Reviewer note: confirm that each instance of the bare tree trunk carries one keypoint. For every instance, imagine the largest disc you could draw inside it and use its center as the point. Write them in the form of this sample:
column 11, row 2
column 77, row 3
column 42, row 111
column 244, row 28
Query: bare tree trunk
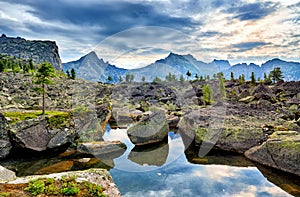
column 43, row 112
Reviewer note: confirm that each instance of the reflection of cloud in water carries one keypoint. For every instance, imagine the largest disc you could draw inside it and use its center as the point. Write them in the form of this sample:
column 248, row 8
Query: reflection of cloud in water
column 217, row 172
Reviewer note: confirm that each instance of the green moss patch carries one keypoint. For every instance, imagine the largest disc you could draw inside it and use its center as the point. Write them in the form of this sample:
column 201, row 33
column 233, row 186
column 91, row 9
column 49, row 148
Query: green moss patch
column 66, row 186
column 54, row 117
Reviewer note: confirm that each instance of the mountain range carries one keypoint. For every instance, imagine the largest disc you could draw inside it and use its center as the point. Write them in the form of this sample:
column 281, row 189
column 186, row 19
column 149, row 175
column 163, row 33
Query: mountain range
column 91, row 68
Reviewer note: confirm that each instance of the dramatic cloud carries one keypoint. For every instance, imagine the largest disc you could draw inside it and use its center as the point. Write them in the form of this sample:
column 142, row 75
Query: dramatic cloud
column 240, row 30
column 253, row 11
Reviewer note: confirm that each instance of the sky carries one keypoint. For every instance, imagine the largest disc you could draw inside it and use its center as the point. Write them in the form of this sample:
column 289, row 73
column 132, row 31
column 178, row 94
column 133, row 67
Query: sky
column 134, row 33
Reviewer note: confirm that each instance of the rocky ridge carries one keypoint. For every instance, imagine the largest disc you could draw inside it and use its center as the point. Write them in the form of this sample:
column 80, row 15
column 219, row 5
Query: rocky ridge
column 38, row 51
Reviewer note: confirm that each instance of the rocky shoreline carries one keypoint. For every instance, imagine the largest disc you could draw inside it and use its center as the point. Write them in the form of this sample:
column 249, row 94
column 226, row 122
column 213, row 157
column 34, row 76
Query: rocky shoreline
column 260, row 121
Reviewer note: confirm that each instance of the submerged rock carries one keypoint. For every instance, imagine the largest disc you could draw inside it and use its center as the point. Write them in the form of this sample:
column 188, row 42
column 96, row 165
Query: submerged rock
column 281, row 151
column 152, row 128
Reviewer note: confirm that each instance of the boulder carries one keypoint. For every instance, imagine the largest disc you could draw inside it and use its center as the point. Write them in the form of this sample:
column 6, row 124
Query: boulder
column 37, row 135
column 152, row 128
column 281, row 151
column 5, row 145
column 6, row 175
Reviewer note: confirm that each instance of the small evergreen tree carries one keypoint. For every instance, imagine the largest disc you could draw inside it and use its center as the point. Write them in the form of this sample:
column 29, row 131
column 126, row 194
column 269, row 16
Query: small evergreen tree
column 276, row 75
column 31, row 66
column 120, row 79
column 109, row 78
column 73, row 74
column 253, row 80
column 68, row 74
column 267, row 79
column 131, row 78
column 196, row 76
column 44, row 72
column 157, row 80
column 188, row 74
column 231, row 76
column 143, row 78
column 2, row 66
column 127, row 78
column 242, row 79
column 207, row 94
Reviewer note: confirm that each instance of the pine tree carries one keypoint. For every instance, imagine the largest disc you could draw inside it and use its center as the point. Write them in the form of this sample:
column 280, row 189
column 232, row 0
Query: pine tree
column 157, row 80
column 143, row 78
column 31, row 66
column 207, row 94
column 231, row 76
column 120, row 79
column 73, row 74
column 253, row 80
column 188, row 74
column 44, row 73
column 2, row 66
column 68, row 74
column 109, row 78
column 276, row 75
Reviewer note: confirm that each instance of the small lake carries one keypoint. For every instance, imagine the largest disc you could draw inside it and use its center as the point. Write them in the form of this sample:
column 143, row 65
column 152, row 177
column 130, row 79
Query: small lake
column 176, row 176
column 166, row 169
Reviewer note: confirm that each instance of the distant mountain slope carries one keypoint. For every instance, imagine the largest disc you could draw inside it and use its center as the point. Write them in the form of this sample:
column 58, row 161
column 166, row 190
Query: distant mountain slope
column 92, row 68
column 38, row 51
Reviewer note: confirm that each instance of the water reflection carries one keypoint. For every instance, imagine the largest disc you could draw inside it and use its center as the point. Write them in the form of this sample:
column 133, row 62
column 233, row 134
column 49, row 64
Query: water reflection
column 178, row 177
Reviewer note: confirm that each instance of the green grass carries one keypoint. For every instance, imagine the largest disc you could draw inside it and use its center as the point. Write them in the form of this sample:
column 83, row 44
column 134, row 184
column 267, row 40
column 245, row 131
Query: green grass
column 54, row 117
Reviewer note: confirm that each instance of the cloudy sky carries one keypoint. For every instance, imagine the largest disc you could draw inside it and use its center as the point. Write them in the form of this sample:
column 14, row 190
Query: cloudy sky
column 132, row 33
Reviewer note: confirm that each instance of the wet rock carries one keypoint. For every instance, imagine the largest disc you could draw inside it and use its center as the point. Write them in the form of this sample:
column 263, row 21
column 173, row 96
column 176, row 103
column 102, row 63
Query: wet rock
column 6, row 175
column 281, row 151
column 151, row 129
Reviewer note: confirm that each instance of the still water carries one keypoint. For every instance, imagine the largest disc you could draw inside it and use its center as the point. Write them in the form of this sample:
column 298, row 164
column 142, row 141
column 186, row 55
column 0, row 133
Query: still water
column 166, row 171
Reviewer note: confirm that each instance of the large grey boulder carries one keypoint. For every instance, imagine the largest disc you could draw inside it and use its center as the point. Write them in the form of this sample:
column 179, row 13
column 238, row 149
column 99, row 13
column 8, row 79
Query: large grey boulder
column 281, row 151
column 37, row 135
column 5, row 145
column 152, row 128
